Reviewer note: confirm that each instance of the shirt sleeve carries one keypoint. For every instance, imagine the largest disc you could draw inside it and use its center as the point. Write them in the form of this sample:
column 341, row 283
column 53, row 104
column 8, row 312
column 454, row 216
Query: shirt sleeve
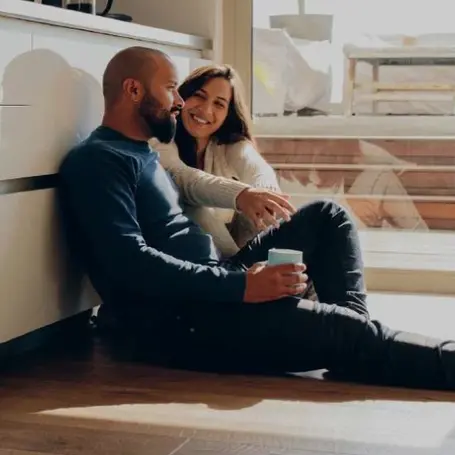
column 101, row 198
column 251, row 167
column 199, row 188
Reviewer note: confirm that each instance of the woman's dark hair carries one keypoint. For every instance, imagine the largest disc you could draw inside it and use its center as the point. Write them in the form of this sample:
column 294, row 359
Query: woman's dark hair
column 237, row 125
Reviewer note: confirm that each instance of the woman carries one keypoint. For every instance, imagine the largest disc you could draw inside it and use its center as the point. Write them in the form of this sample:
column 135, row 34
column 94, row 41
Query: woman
column 365, row 192
column 214, row 135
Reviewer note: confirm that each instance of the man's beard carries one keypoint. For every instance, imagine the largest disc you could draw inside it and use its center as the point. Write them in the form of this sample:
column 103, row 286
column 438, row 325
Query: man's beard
column 160, row 122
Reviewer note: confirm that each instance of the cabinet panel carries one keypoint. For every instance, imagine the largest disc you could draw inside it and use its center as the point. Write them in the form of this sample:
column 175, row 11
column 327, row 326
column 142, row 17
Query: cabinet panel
column 60, row 78
column 38, row 286
column 90, row 52
column 16, row 41
column 34, row 139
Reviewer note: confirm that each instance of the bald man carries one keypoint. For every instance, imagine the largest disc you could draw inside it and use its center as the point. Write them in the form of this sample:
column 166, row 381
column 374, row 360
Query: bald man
column 163, row 284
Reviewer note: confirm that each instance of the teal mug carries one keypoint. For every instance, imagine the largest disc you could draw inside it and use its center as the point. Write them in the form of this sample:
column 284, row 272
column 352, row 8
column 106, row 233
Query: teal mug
column 284, row 256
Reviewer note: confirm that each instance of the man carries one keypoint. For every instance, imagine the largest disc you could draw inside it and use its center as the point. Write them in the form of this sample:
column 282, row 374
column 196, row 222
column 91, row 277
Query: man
column 162, row 282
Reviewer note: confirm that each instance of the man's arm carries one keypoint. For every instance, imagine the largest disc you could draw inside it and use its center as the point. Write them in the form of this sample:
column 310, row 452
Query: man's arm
column 199, row 188
column 100, row 192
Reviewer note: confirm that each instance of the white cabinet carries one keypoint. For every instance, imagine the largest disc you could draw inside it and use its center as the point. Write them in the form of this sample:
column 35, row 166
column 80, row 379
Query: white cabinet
column 38, row 286
column 51, row 67
column 15, row 41
column 196, row 17
column 58, row 80
column 52, row 85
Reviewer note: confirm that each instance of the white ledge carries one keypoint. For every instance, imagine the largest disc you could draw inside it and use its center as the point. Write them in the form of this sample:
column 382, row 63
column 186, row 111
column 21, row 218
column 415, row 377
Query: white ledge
column 405, row 127
column 34, row 12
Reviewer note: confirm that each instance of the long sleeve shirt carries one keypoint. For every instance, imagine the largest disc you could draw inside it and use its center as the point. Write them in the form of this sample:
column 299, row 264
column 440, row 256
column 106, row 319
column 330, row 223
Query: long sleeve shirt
column 211, row 192
column 124, row 215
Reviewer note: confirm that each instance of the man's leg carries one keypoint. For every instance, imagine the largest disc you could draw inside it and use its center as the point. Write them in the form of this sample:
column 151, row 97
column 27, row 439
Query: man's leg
column 328, row 238
column 293, row 335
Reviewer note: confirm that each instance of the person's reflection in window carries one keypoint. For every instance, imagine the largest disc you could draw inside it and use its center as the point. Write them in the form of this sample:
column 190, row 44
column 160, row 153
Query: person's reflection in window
column 386, row 203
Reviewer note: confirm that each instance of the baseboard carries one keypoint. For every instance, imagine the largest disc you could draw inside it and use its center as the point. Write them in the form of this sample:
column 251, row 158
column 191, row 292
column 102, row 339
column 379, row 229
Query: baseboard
column 65, row 331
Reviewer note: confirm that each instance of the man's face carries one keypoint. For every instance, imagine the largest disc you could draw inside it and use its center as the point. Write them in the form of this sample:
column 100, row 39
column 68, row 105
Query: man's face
column 161, row 102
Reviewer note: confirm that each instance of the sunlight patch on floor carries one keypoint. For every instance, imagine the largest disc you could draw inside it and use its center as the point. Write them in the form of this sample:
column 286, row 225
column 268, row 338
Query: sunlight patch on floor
column 407, row 424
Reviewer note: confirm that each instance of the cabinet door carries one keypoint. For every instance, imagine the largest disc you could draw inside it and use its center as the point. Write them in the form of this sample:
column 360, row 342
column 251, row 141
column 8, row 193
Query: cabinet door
column 16, row 42
column 60, row 78
column 38, row 284
column 49, row 104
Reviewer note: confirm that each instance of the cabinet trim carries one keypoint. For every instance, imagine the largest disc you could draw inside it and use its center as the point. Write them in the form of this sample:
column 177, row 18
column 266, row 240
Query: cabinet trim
column 21, row 185
column 43, row 14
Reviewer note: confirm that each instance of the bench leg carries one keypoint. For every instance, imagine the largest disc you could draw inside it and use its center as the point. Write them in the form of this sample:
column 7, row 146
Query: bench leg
column 349, row 86
column 375, row 70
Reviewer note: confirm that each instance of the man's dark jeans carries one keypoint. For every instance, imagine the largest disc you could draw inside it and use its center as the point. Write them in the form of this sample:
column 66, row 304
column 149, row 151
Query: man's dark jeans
column 294, row 335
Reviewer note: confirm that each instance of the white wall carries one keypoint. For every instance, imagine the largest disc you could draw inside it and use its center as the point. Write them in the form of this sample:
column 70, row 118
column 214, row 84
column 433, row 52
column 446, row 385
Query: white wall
column 196, row 17
column 263, row 9
column 404, row 17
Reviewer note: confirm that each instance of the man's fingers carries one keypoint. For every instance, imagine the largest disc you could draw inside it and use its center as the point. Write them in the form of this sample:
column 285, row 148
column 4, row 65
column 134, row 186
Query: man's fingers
column 284, row 269
column 287, row 291
column 298, row 289
column 295, row 279
column 257, row 266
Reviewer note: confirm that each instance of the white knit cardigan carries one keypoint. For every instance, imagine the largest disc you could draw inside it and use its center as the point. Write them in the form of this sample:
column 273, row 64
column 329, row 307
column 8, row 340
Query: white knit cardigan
column 211, row 193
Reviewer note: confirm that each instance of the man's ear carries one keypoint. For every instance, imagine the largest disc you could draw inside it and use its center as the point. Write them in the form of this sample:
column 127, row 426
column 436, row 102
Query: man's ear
column 133, row 89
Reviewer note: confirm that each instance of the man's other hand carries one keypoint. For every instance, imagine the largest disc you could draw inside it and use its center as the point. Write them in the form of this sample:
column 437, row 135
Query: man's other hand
column 265, row 283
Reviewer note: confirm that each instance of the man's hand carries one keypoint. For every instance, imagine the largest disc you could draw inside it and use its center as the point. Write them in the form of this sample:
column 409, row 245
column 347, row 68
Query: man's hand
column 264, row 207
column 265, row 283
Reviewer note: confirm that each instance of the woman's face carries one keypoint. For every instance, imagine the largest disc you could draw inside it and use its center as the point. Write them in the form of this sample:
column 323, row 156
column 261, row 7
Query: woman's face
column 206, row 110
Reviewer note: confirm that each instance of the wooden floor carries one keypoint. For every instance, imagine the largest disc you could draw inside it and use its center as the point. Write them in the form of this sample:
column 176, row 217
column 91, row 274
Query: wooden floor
column 80, row 402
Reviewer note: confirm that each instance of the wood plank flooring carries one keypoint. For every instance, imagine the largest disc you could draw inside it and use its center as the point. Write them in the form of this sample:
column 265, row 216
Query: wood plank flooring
column 79, row 401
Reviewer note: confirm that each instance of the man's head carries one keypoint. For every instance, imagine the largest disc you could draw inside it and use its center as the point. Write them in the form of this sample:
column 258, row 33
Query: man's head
column 140, row 92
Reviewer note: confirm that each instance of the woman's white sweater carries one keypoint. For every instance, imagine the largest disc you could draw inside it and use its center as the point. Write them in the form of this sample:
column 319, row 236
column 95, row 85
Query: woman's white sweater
column 211, row 193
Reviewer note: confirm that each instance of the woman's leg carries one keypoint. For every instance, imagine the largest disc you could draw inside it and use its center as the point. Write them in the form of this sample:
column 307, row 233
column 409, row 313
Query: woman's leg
column 215, row 227
column 328, row 238
column 242, row 229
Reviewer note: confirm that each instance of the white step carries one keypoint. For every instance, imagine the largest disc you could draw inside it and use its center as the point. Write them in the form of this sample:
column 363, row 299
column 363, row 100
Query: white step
column 357, row 127
column 404, row 96
column 402, row 261
column 427, row 314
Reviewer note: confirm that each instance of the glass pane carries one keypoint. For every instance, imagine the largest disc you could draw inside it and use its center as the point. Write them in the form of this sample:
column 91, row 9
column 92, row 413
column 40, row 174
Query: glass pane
column 383, row 147
column 300, row 46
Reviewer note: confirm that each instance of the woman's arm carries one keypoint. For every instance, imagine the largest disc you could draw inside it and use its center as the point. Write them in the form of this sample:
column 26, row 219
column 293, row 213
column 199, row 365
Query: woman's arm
column 254, row 170
column 251, row 167
column 197, row 187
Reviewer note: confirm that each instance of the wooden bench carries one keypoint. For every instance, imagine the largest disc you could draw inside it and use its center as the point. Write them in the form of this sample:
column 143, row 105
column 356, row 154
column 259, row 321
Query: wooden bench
column 399, row 91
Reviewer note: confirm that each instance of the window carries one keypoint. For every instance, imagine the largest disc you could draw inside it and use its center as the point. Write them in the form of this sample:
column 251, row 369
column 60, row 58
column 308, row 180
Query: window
column 389, row 156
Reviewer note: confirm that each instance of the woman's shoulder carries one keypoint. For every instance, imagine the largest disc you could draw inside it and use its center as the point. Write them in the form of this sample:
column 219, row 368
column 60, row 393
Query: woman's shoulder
column 240, row 150
column 167, row 152
column 158, row 146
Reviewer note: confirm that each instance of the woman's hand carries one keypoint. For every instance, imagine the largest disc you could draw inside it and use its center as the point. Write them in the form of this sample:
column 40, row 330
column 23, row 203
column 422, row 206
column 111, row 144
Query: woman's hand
column 264, row 207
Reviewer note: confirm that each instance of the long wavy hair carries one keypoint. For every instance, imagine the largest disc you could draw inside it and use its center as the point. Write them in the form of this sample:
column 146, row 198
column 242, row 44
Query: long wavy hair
column 237, row 125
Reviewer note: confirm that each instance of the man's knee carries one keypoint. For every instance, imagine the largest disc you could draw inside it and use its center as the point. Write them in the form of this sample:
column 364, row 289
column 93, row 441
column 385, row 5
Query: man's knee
column 323, row 208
